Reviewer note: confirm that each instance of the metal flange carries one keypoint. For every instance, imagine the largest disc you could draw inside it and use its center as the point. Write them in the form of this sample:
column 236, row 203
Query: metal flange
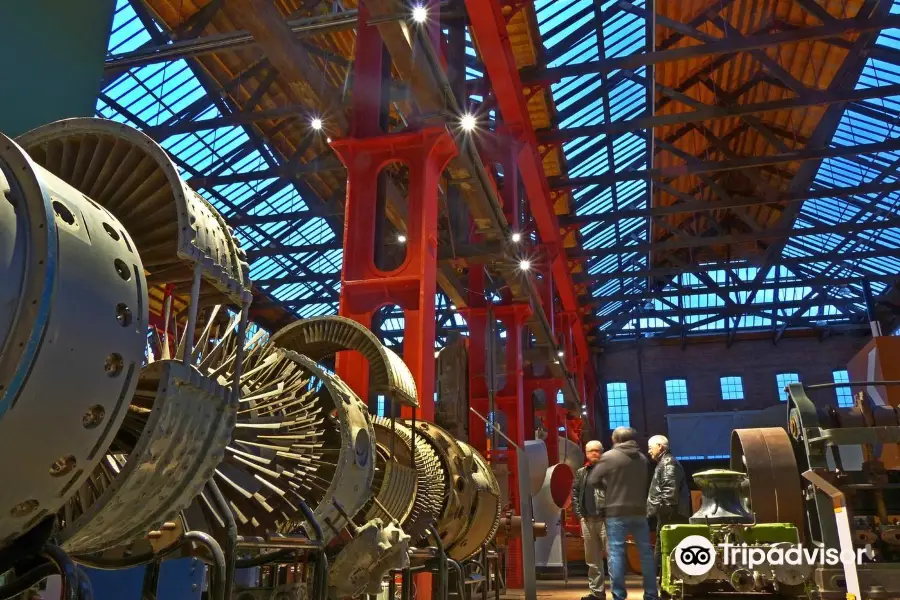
column 73, row 322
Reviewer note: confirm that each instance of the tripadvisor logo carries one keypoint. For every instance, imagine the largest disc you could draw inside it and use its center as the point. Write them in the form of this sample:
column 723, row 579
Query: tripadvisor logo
column 695, row 555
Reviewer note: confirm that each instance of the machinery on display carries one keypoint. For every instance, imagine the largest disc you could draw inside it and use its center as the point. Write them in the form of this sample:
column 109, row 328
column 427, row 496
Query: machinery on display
column 822, row 483
column 140, row 421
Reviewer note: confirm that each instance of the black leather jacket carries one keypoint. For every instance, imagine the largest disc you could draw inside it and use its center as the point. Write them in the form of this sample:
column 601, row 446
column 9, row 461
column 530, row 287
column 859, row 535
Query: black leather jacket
column 586, row 505
column 669, row 492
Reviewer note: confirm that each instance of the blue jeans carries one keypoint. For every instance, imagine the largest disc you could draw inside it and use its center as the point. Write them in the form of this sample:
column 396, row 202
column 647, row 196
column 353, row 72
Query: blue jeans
column 617, row 529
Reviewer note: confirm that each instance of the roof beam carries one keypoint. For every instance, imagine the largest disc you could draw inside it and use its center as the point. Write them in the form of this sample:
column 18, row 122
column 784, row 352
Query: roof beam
column 318, row 165
column 279, row 249
column 740, row 238
column 741, row 286
column 745, row 162
column 279, row 217
column 712, row 113
column 298, row 278
column 788, row 262
column 305, row 27
column 734, row 202
column 720, row 312
column 730, row 45
column 845, row 78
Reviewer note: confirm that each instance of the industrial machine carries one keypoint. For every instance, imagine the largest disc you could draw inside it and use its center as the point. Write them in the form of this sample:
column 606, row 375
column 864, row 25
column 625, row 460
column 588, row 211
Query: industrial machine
column 723, row 520
column 141, row 420
column 820, row 484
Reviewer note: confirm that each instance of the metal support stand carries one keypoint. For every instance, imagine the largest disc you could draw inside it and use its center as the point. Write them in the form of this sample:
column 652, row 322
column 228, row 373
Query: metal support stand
column 842, row 521
column 74, row 584
column 218, row 570
column 441, row 567
column 230, row 546
column 529, row 568
column 151, row 581
column 286, row 549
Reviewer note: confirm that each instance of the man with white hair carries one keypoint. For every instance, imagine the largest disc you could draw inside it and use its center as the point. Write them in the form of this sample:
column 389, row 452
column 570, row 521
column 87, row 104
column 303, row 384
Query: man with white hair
column 670, row 497
column 588, row 504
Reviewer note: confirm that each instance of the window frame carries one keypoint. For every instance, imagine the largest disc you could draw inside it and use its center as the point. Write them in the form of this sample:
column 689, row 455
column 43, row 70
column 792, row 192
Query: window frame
column 722, row 388
column 843, row 401
column 783, row 395
column 681, row 392
column 614, row 411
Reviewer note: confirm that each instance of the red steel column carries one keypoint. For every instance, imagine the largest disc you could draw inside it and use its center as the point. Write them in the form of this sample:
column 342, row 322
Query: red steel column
column 476, row 320
column 488, row 25
column 365, row 288
column 511, row 400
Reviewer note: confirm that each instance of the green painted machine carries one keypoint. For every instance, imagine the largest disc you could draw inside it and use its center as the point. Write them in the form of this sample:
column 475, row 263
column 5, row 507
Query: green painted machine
column 809, row 510
column 736, row 557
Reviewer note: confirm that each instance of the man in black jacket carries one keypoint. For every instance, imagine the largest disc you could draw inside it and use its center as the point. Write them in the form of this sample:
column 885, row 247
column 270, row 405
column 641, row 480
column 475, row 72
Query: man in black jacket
column 587, row 501
column 623, row 474
column 670, row 497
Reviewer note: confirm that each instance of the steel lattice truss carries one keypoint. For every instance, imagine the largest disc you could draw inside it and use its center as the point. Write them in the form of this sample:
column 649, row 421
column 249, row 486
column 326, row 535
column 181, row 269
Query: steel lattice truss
column 773, row 196
column 751, row 186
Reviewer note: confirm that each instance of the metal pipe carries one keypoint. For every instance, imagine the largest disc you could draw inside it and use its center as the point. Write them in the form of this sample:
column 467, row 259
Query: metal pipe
column 26, row 580
column 460, row 587
column 848, row 384
column 262, row 559
column 442, row 583
column 230, row 548
column 485, row 571
column 217, row 585
column 287, row 543
column 68, row 572
column 85, row 590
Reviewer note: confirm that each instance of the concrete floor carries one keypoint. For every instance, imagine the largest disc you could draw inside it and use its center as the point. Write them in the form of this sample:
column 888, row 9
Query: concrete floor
column 575, row 589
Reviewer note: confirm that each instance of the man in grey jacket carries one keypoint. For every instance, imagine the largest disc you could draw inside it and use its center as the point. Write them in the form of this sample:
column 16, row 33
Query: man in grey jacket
column 623, row 474
column 587, row 502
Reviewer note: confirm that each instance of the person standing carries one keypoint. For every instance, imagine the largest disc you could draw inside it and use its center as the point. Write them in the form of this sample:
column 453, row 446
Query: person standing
column 587, row 502
column 624, row 474
column 670, row 497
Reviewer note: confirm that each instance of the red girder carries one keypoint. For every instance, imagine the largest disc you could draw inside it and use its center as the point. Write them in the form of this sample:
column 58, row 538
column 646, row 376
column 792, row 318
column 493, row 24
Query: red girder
column 488, row 27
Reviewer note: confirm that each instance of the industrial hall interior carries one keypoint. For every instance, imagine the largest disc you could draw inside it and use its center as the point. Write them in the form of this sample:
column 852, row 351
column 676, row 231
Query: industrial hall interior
column 449, row 299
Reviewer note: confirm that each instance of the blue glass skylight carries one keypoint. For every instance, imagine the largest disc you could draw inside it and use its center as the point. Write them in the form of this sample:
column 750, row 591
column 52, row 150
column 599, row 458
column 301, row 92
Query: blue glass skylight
column 571, row 35
column 161, row 93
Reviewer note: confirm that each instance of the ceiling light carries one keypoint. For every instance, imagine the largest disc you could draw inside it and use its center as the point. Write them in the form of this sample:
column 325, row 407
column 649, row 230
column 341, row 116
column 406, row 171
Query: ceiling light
column 328, row 140
column 560, row 353
column 516, row 237
column 452, row 307
column 420, row 14
column 524, row 264
column 401, row 238
column 468, row 122
column 316, row 124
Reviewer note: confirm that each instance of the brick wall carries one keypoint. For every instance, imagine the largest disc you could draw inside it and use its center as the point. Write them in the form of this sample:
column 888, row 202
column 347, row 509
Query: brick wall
column 756, row 361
